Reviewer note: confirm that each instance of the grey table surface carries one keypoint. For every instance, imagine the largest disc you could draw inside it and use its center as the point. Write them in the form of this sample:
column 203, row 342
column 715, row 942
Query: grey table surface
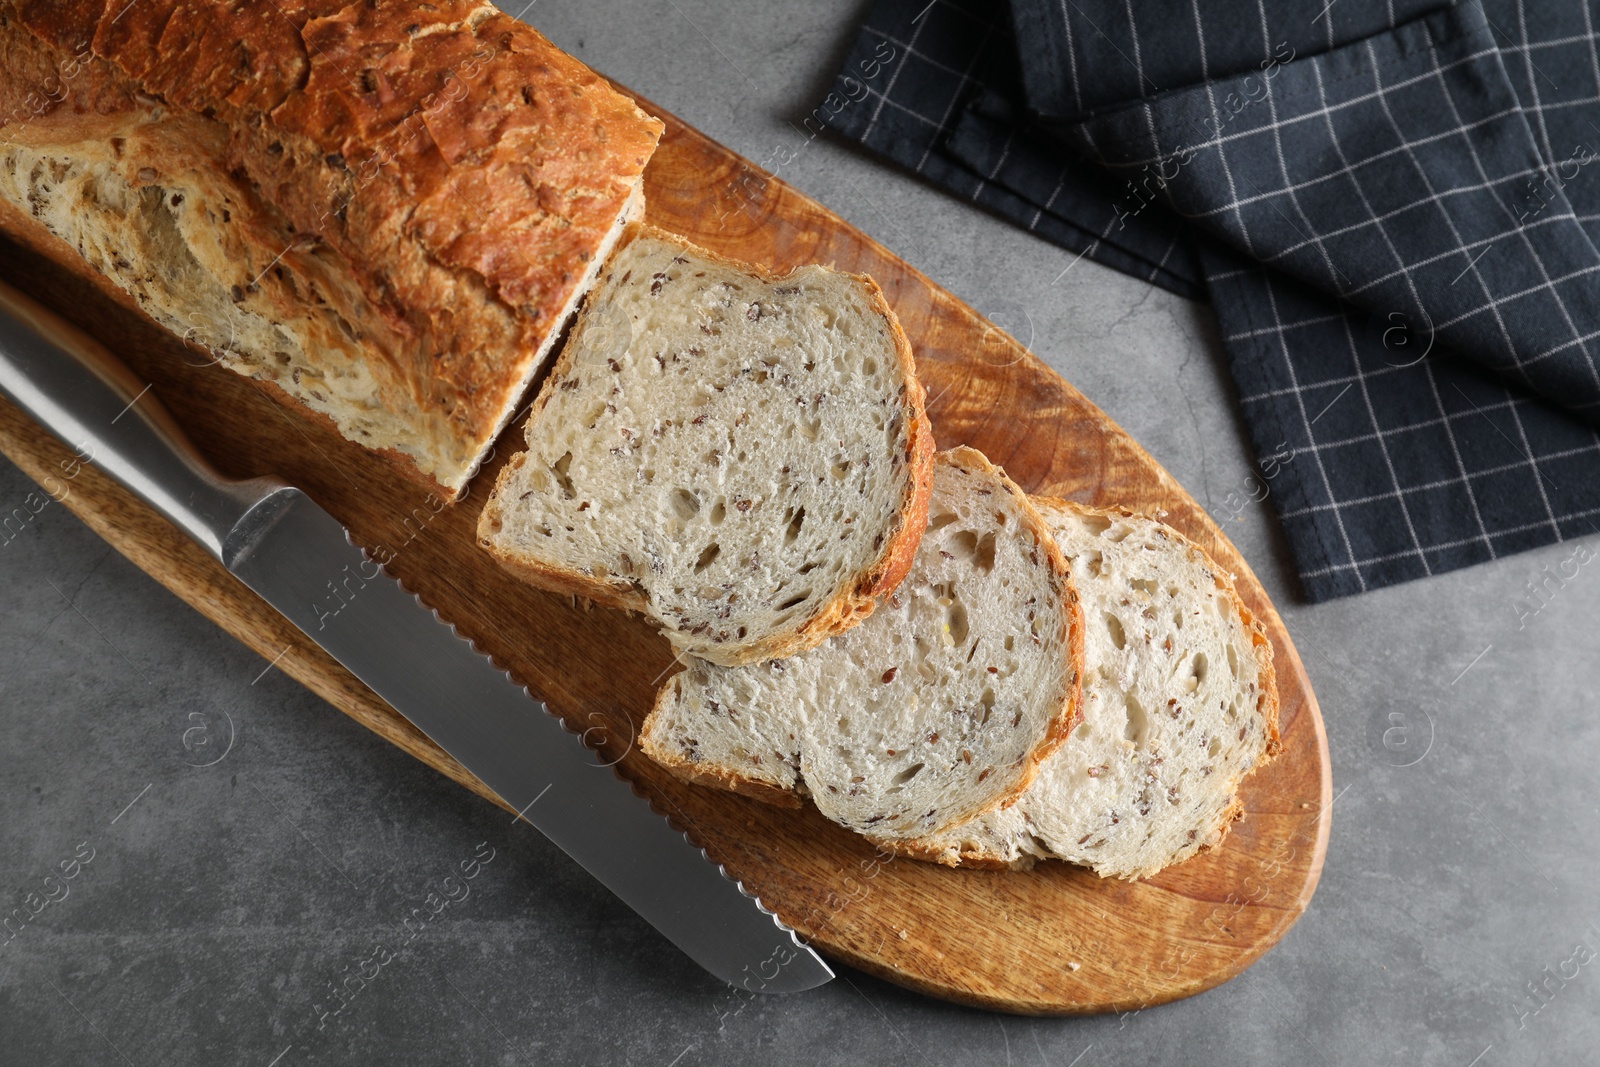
column 1457, row 922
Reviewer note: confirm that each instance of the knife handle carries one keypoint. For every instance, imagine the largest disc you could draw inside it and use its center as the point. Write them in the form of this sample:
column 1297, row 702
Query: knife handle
column 72, row 386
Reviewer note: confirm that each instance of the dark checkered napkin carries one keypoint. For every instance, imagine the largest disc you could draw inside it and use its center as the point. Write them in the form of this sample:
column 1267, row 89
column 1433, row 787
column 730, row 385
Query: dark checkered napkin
column 1393, row 211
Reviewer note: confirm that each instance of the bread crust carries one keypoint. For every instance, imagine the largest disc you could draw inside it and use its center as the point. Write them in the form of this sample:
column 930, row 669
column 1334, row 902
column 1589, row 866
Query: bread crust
column 424, row 150
column 918, row 849
column 850, row 605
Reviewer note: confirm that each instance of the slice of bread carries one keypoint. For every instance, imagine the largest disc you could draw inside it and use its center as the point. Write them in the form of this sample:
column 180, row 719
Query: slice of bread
column 744, row 457
column 1179, row 704
column 938, row 707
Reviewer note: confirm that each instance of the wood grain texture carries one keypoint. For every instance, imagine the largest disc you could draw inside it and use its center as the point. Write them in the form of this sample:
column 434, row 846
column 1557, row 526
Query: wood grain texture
column 1049, row 941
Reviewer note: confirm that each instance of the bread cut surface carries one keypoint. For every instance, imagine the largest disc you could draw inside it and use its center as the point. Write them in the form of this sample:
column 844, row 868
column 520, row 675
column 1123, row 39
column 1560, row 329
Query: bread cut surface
column 1179, row 705
column 382, row 211
column 744, row 457
column 939, row 706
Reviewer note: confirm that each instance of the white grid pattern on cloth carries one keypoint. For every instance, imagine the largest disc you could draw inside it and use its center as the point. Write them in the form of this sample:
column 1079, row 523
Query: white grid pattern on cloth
column 1223, row 140
column 1472, row 266
column 1300, row 403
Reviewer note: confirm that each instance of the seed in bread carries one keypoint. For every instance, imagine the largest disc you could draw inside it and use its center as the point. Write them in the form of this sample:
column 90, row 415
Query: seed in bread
column 741, row 456
column 938, row 707
column 1179, row 705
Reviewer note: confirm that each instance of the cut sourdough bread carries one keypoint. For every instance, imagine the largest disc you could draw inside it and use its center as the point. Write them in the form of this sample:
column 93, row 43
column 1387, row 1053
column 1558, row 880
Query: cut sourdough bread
column 938, row 707
column 384, row 213
column 1179, row 704
column 743, row 457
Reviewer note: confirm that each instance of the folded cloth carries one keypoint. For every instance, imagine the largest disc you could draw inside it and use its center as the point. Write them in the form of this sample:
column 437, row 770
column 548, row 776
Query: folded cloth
column 1393, row 212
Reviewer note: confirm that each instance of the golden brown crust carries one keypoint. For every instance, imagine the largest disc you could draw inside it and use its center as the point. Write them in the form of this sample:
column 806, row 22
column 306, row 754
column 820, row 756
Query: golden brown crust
column 900, row 551
column 919, row 849
column 851, row 605
column 461, row 170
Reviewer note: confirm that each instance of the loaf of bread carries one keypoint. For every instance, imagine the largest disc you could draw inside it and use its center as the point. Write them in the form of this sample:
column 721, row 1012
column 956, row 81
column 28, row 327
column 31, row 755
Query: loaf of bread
column 939, row 706
column 741, row 456
column 1179, row 705
column 385, row 211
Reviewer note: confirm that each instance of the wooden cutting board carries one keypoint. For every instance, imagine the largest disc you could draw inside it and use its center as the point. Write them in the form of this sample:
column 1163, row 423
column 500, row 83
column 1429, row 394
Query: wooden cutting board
column 1053, row 940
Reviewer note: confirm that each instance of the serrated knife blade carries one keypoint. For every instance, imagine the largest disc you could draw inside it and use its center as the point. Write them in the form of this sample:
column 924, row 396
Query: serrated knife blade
column 297, row 557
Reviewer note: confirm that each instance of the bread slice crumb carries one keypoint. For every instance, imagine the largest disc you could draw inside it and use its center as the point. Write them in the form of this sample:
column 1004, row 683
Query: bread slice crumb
column 938, row 707
column 1180, row 703
column 743, row 457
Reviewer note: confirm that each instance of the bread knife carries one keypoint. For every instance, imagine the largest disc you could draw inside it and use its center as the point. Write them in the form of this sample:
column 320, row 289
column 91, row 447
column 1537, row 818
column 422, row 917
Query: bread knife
column 285, row 548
